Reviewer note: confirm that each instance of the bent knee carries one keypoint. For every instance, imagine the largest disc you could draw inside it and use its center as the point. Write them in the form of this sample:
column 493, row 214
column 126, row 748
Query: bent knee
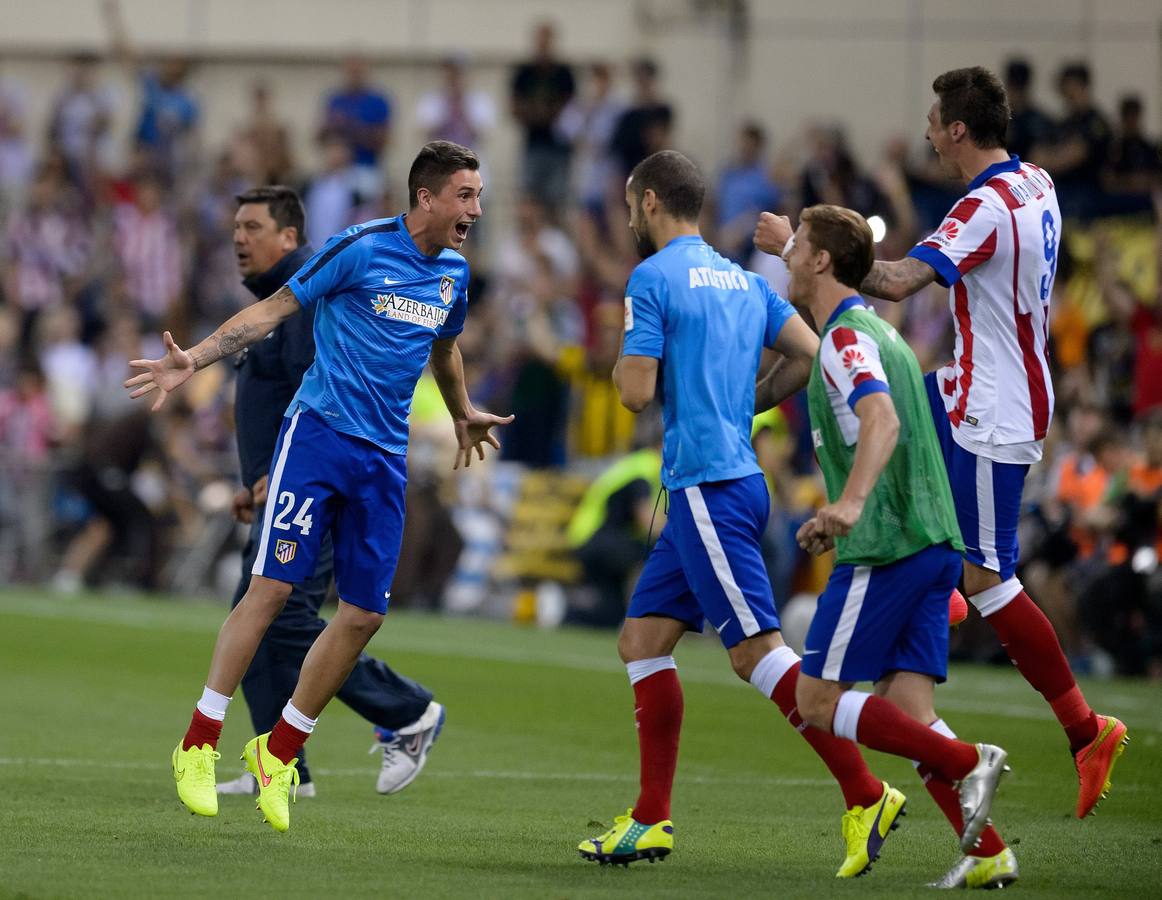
column 267, row 594
column 817, row 707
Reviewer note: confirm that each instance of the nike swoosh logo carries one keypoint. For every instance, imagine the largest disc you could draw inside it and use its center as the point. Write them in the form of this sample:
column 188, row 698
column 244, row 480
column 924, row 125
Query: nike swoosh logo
column 719, row 628
column 390, row 281
column 262, row 776
column 417, row 742
column 809, row 652
column 179, row 774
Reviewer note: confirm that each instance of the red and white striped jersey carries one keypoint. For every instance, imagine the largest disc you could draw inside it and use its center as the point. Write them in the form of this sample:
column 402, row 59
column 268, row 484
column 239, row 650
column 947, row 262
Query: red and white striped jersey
column 997, row 252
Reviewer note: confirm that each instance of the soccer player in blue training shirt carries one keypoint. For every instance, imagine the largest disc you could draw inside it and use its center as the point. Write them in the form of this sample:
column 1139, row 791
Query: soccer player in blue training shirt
column 389, row 295
column 890, row 518
column 703, row 322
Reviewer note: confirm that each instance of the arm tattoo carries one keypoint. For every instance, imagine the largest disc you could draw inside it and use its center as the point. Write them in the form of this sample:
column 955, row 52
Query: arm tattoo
column 233, row 340
column 246, row 327
column 897, row 280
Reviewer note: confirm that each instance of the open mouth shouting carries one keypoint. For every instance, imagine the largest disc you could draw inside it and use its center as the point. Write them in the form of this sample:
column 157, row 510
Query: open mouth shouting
column 461, row 229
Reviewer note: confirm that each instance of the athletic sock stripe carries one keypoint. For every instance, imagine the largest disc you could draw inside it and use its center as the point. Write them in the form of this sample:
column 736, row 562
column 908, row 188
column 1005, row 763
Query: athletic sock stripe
column 272, row 495
column 719, row 562
column 845, row 627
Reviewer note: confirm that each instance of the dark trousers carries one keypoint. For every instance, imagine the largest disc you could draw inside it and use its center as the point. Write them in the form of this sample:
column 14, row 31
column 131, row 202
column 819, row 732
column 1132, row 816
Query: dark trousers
column 383, row 697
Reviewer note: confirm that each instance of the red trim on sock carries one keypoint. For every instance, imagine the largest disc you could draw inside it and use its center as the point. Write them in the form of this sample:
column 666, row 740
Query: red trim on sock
column 203, row 730
column 842, row 758
column 884, row 726
column 948, row 799
column 658, row 709
column 286, row 741
column 1032, row 645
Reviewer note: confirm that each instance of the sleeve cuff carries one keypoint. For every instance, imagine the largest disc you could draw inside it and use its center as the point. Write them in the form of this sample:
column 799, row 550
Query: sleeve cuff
column 299, row 291
column 946, row 273
column 642, row 350
column 874, row 386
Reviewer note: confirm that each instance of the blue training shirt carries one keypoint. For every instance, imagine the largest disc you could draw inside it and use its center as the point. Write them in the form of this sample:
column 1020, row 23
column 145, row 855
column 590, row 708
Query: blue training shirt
column 707, row 320
column 380, row 303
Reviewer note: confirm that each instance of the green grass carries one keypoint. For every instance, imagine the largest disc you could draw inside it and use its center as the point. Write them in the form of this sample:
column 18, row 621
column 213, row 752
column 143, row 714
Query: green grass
column 539, row 746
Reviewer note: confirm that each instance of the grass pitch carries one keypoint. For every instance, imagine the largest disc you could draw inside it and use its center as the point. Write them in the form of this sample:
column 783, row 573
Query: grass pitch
column 539, row 752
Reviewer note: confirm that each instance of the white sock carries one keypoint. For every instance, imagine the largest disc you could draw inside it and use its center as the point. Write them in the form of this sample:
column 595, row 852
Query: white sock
column 847, row 713
column 996, row 598
column 213, row 705
column 771, row 668
column 298, row 720
column 643, row 668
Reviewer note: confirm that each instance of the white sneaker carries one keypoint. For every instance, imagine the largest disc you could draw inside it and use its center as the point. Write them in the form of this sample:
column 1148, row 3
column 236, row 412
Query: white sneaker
column 406, row 751
column 248, row 784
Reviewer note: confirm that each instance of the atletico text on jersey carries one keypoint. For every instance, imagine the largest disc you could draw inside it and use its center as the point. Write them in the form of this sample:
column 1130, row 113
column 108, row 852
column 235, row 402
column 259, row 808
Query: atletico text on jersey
column 381, row 303
column 997, row 252
column 707, row 320
column 910, row 508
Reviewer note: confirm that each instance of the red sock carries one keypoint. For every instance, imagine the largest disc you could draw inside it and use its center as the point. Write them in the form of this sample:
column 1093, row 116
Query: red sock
column 1032, row 645
column 842, row 758
column 658, row 708
column 948, row 799
column 884, row 726
column 286, row 741
column 202, row 730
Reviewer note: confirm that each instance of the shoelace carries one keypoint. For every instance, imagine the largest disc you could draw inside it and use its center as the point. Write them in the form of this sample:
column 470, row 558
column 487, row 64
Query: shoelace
column 850, row 826
column 282, row 779
column 202, row 764
column 388, row 748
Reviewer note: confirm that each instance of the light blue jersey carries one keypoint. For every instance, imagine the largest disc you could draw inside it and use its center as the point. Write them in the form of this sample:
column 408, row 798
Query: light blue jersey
column 707, row 320
column 381, row 304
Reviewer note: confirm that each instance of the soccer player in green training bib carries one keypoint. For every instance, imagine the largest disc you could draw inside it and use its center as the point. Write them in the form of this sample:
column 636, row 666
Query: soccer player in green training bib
column 883, row 616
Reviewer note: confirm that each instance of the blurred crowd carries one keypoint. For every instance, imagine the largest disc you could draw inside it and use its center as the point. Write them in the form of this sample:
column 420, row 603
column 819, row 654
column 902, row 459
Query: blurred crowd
column 103, row 245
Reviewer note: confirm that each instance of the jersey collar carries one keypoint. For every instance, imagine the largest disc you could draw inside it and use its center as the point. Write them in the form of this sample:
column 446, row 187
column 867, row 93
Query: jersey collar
column 1011, row 165
column 855, row 300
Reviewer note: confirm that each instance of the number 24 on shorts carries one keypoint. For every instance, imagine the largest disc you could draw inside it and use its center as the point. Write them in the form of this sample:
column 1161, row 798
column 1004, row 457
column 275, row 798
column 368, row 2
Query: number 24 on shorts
column 302, row 519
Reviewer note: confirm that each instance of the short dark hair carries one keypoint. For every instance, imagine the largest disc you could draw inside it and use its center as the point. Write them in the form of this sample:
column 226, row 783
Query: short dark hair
column 976, row 97
column 1018, row 73
column 436, row 162
column 844, row 234
column 675, row 180
column 1074, row 71
column 1130, row 105
column 284, row 204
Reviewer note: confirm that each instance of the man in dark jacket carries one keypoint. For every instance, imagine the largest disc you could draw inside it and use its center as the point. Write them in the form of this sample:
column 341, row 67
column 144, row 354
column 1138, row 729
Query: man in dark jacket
column 269, row 243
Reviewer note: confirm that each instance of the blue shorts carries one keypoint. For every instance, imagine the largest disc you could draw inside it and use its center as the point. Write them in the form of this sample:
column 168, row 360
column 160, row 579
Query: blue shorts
column 323, row 480
column 707, row 563
column 987, row 495
column 873, row 620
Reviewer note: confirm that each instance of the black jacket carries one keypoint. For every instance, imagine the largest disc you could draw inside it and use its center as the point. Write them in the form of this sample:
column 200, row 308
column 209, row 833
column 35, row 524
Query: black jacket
column 269, row 372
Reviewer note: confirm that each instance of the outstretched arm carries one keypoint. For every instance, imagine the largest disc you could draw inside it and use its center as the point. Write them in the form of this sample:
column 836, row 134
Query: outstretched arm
column 473, row 427
column 897, row 280
column 241, row 330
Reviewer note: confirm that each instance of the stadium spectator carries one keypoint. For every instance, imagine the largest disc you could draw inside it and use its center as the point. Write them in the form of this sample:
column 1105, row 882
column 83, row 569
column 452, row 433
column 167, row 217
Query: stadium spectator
column 1077, row 153
column 745, row 189
column 79, row 124
column 334, row 193
column 1029, row 126
column 166, row 124
column 27, row 433
column 46, row 249
column 831, row 175
column 360, row 114
column 16, row 162
column 1134, row 164
column 646, row 125
column 149, row 253
column 456, row 112
column 588, row 123
column 269, row 136
column 540, row 90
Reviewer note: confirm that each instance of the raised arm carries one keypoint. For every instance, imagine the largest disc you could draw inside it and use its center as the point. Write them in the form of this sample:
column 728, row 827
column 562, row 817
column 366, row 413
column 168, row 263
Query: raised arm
column 897, row 280
column 473, row 427
column 798, row 344
column 241, row 330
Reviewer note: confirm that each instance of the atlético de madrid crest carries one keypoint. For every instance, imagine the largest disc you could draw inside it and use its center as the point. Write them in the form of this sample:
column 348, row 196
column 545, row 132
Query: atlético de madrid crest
column 447, row 289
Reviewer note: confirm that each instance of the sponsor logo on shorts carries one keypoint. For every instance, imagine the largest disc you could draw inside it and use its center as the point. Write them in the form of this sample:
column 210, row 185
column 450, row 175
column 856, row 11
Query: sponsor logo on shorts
column 284, row 551
column 447, row 289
